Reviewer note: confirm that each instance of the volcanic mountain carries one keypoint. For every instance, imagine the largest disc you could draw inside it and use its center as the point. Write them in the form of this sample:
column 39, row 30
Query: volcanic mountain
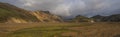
column 12, row 14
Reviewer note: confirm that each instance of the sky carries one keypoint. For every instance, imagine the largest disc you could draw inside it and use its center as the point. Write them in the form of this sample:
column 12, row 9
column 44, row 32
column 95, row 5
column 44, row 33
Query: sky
column 70, row 8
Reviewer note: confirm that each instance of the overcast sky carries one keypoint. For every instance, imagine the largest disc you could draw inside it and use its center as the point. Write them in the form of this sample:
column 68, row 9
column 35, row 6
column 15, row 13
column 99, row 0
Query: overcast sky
column 70, row 7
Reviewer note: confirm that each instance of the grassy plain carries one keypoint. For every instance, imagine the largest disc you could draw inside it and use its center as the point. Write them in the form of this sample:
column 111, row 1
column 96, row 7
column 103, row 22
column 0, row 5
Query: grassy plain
column 83, row 29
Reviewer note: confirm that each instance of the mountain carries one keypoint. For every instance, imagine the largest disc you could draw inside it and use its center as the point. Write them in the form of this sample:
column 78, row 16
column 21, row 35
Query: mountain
column 98, row 18
column 111, row 18
column 45, row 16
column 80, row 18
column 12, row 14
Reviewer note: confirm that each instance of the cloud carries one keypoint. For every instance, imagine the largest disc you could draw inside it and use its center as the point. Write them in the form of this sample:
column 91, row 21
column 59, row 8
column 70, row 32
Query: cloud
column 70, row 7
column 59, row 10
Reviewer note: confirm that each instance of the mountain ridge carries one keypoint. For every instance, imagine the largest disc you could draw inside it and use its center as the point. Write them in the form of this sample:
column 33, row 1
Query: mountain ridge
column 12, row 14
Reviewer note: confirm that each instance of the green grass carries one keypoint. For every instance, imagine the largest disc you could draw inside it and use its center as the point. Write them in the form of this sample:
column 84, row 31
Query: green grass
column 48, row 31
column 39, row 32
column 65, row 30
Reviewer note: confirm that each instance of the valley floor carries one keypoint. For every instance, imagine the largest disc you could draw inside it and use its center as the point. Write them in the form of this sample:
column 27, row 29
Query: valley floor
column 101, row 29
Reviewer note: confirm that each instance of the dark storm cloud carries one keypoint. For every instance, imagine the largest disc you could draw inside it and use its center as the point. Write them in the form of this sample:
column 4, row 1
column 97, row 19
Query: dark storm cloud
column 70, row 7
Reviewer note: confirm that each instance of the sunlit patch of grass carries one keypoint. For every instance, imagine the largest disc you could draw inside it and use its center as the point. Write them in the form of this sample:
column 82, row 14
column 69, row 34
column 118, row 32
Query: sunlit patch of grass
column 48, row 31
column 39, row 32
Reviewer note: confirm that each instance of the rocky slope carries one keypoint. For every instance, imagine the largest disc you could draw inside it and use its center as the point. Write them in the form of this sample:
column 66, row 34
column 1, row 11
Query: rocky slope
column 13, row 14
column 45, row 16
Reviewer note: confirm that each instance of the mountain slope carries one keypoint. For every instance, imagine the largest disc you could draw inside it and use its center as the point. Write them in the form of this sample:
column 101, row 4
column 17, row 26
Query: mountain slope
column 111, row 18
column 8, row 11
column 13, row 14
column 80, row 18
column 45, row 16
